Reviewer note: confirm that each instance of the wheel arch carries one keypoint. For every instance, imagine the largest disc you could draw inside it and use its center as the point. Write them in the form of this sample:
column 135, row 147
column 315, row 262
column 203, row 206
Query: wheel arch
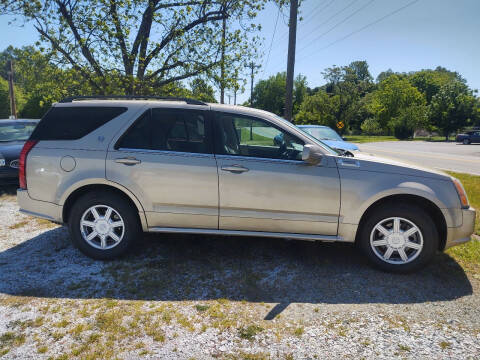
column 80, row 189
column 429, row 206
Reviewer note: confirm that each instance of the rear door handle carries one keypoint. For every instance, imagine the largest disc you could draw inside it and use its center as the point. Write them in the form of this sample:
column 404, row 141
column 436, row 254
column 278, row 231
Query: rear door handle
column 234, row 169
column 128, row 161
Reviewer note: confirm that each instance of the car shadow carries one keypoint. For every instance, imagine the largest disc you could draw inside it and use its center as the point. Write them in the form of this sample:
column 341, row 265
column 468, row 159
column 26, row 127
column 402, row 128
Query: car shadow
column 186, row 267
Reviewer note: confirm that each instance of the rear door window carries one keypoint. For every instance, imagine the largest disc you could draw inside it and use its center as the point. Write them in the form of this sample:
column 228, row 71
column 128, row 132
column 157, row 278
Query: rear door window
column 168, row 130
column 73, row 122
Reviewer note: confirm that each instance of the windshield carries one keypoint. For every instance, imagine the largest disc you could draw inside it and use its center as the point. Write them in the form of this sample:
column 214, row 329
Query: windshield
column 15, row 131
column 322, row 133
column 314, row 139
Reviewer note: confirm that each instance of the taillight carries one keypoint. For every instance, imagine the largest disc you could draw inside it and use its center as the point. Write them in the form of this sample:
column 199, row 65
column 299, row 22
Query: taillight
column 22, row 163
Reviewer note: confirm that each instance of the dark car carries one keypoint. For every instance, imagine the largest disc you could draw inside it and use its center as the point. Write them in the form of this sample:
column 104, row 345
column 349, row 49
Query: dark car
column 469, row 137
column 13, row 134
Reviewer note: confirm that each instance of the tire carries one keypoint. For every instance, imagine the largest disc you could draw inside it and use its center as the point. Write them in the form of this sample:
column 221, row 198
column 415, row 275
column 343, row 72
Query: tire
column 466, row 141
column 83, row 223
column 418, row 249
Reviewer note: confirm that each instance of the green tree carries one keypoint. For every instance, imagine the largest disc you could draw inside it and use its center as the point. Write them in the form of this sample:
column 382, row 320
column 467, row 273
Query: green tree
column 201, row 90
column 452, row 108
column 390, row 105
column 350, row 83
column 319, row 109
column 269, row 94
column 429, row 82
column 138, row 45
column 4, row 99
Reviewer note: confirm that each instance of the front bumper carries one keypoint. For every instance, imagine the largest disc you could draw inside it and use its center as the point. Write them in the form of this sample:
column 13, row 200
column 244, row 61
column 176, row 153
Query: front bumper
column 461, row 234
column 37, row 208
column 8, row 175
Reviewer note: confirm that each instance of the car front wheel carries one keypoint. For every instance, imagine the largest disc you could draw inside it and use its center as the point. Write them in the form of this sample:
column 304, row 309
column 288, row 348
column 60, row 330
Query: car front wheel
column 466, row 141
column 400, row 238
column 103, row 225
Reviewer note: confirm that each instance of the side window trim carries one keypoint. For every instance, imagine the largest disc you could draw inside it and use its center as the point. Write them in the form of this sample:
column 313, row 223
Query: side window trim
column 130, row 127
column 216, row 119
column 208, row 132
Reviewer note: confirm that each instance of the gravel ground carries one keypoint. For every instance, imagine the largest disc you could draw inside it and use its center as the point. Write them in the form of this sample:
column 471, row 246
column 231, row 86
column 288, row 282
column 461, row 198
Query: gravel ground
column 193, row 297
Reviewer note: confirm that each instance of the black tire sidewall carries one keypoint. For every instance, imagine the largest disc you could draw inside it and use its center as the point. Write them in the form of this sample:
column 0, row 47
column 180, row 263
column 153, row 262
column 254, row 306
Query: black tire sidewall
column 132, row 227
column 466, row 142
column 416, row 215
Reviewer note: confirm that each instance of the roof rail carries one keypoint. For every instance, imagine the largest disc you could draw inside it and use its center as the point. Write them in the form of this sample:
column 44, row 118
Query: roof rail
column 131, row 97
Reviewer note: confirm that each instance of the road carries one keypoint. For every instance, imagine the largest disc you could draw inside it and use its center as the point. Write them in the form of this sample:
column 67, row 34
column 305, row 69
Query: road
column 439, row 155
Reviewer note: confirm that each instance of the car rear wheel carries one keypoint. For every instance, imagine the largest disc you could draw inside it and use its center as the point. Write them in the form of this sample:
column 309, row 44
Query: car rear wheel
column 399, row 238
column 466, row 141
column 103, row 225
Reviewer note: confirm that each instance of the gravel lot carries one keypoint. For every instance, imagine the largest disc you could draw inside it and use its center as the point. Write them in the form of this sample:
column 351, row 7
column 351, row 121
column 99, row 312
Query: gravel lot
column 193, row 297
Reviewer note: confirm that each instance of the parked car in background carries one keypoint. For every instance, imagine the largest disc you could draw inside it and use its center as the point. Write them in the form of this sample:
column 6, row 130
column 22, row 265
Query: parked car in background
column 111, row 169
column 329, row 137
column 13, row 134
column 469, row 137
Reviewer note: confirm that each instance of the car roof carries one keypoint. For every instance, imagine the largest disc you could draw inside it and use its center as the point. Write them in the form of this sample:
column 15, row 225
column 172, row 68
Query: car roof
column 314, row 126
column 130, row 103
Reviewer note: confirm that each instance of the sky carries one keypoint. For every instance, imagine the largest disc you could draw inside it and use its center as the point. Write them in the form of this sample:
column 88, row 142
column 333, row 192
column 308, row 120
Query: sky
column 402, row 35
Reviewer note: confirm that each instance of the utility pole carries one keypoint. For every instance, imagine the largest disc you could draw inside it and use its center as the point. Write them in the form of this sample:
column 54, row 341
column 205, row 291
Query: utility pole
column 229, row 98
column 222, row 62
column 292, row 38
column 13, row 108
column 252, row 67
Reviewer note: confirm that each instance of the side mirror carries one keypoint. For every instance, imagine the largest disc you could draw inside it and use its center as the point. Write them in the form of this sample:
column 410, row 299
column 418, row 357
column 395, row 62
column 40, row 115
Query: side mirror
column 312, row 154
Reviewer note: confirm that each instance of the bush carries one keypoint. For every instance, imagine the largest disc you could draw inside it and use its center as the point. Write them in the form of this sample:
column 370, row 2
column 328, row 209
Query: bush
column 371, row 127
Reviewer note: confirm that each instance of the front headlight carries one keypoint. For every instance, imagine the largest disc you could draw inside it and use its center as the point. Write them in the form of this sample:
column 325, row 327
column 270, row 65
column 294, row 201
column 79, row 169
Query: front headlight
column 461, row 193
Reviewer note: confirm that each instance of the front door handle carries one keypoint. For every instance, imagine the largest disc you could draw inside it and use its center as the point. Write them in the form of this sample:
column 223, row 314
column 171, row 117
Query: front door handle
column 235, row 169
column 128, row 161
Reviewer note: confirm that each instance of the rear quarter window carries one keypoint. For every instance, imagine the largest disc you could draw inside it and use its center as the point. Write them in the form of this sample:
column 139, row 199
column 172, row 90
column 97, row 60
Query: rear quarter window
column 73, row 123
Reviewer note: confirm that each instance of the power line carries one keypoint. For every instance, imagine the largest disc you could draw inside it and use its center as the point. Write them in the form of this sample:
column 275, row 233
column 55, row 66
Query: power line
column 305, row 21
column 362, row 28
column 316, row 10
column 331, row 18
column 337, row 24
column 271, row 42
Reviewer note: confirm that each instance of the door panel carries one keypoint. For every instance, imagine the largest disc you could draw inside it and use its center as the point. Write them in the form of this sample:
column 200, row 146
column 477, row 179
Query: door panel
column 175, row 189
column 263, row 184
column 165, row 159
column 278, row 196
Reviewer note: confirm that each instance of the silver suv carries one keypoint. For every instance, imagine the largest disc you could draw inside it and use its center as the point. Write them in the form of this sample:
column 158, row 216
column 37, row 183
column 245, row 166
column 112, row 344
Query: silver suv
column 111, row 169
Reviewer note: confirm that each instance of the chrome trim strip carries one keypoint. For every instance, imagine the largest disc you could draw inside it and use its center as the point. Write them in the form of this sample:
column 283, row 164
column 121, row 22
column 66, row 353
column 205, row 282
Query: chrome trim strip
column 310, row 237
column 190, row 210
column 277, row 215
column 241, row 157
column 166, row 152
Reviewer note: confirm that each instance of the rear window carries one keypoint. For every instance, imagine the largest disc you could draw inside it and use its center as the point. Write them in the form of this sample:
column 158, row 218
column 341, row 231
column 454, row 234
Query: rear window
column 72, row 123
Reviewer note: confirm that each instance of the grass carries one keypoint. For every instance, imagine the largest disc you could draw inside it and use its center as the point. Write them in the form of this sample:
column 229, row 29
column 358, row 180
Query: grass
column 249, row 332
column 374, row 138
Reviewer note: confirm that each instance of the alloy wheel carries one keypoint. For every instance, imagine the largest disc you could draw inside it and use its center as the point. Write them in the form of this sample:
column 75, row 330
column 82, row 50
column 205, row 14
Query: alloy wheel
column 396, row 240
column 102, row 227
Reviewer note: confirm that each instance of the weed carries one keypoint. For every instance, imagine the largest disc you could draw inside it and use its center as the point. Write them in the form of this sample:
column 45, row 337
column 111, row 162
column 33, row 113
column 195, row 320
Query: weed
column 298, row 331
column 201, row 308
column 249, row 332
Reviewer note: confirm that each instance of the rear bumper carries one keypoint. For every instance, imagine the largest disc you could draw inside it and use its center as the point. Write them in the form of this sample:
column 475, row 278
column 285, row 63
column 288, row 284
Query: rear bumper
column 461, row 234
column 41, row 209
